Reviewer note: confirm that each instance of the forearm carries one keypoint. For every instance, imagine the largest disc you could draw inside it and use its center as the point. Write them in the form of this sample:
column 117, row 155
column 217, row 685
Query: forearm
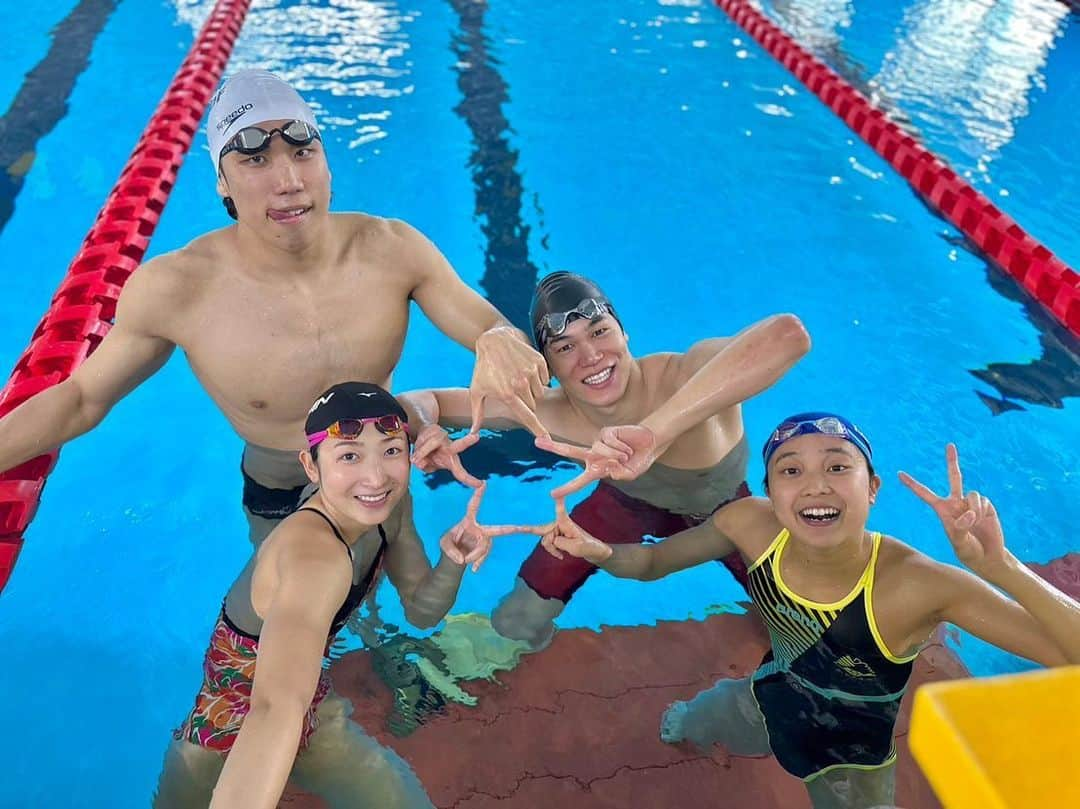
column 490, row 321
column 259, row 763
column 501, row 327
column 750, row 363
column 685, row 549
column 1058, row 615
column 446, row 407
column 422, row 407
column 631, row 561
column 466, row 318
column 435, row 594
column 43, row 423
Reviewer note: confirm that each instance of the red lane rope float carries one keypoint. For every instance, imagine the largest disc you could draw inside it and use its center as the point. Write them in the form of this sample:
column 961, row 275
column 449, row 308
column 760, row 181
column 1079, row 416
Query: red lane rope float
column 83, row 307
column 1048, row 279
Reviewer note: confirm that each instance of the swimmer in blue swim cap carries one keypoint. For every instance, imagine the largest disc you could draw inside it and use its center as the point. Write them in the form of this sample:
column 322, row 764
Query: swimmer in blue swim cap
column 668, row 470
column 848, row 609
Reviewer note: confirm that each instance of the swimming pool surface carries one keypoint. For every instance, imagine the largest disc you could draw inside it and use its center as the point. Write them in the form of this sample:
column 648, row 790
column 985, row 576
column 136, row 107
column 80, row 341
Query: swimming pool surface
column 647, row 143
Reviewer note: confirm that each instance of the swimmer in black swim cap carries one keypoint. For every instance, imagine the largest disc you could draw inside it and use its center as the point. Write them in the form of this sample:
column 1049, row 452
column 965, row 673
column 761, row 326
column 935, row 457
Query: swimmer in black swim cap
column 265, row 711
column 681, row 410
column 562, row 297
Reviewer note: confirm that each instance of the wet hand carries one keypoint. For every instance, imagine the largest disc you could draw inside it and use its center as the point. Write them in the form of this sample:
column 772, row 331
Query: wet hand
column 434, row 450
column 468, row 542
column 512, row 371
column 620, row 453
column 970, row 520
column 566, row 536
column 563, row 535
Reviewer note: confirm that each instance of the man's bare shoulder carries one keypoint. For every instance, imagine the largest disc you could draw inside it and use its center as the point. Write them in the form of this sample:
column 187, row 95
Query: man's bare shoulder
column 367, row 228
column 662, row 372
column 553, row 408
column 187, row 266
column 164, row 288
column 683, row 365
column 393, row 243
column 656, row 366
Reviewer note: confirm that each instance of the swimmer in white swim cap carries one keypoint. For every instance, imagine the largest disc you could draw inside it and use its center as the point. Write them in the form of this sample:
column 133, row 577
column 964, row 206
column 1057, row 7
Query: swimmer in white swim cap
column 245, row 113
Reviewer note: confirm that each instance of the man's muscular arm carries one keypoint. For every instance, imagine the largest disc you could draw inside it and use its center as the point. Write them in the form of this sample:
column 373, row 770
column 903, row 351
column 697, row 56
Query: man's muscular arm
column 132, row 351
column 507, row 368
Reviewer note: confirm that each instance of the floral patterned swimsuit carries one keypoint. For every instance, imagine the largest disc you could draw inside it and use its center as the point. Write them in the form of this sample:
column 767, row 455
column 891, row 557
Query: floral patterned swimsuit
column 229, row 669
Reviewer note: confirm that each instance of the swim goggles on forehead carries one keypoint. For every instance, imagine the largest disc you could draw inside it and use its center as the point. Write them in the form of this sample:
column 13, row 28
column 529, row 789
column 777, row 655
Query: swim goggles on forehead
column 254, row 139
column 823, row 425
column 554, row 324
column 350, row 429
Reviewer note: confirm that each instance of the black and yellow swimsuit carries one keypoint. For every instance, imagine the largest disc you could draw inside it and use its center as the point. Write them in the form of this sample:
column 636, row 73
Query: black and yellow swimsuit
column 829, row 689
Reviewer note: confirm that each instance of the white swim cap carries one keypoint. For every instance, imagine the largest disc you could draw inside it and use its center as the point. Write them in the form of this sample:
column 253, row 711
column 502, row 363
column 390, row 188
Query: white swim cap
column 247, row 98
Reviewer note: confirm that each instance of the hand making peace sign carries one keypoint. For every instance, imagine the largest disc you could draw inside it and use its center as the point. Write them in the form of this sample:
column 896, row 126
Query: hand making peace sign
column 970, row 520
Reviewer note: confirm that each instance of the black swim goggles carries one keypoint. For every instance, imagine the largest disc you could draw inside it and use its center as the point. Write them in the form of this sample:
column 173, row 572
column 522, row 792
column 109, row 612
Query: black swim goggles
column 554, row 324
column 254, row 139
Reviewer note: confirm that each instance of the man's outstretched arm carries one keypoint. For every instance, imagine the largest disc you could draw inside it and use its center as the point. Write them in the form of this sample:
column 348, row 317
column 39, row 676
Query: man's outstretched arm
column 129, row 354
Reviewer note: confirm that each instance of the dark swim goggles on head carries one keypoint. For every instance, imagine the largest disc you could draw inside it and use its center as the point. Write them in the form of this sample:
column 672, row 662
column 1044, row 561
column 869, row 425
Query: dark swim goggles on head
column 824, row 424
column 350, row 429
column 554, row 324
column 253, row 139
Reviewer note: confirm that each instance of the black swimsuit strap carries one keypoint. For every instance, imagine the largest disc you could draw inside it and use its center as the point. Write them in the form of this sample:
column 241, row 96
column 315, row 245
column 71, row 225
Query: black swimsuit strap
column 333, row 527
column 378, row 556
column 348, row 547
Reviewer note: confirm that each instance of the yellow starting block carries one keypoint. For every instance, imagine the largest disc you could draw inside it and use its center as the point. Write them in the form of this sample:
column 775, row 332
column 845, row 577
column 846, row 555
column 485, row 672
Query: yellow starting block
column 1010, row 742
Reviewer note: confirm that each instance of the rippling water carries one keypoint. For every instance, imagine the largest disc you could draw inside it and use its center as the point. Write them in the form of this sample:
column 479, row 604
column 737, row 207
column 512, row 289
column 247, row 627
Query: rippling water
column 971, row 78
column 354, row 49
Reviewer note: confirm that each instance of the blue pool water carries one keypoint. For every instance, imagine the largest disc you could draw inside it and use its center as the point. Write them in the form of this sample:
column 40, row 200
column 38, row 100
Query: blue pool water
column 648, row 143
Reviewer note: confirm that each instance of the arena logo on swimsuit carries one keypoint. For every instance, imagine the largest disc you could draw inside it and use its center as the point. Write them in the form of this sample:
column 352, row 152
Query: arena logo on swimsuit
column 855, row 667
column 795, row 615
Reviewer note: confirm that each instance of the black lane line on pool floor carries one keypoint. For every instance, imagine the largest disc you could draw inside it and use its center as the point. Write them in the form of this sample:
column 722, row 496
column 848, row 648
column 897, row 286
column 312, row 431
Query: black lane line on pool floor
column 42, row 101
column 509, row 273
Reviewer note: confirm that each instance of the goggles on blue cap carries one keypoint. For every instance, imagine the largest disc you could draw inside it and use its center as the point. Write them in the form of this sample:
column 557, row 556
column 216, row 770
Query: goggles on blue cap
column 819, row 423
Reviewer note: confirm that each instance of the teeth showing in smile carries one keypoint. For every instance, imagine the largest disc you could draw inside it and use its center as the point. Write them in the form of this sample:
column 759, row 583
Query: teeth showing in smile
column 372, row 499
column 598, row 379
column 820, row 513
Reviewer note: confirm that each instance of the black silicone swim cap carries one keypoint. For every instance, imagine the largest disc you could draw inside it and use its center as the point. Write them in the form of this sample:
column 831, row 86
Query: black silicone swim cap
column 561, row 292
column 351, row 400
